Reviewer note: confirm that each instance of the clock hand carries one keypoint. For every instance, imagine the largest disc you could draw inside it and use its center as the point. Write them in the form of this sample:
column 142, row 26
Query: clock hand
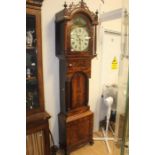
column 79, row 39
column 80, row 43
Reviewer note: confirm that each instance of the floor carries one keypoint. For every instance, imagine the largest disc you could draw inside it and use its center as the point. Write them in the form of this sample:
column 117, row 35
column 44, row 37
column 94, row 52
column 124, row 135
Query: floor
column 99, row 148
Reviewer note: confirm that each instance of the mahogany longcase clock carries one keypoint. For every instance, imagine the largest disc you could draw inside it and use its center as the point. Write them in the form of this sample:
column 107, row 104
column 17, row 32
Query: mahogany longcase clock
column 75, row 47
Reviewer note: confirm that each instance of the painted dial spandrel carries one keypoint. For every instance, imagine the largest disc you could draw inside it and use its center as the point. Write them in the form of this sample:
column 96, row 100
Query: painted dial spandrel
column 79, row 39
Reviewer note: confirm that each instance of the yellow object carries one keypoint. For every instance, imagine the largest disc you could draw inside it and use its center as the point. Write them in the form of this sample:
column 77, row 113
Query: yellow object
column 114, row 64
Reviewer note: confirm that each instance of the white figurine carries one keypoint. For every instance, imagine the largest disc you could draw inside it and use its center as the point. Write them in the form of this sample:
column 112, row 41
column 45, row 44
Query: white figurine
column 29, row 38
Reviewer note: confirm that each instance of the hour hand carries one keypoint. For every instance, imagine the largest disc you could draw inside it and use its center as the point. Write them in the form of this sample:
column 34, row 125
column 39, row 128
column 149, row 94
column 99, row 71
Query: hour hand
column 78, row 35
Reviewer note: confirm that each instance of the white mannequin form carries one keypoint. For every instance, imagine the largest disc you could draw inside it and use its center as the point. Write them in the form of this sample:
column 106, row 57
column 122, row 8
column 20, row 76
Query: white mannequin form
column 108, row 102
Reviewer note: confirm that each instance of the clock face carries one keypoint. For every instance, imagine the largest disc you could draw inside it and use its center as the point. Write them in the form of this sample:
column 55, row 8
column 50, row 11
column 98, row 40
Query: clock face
column 79, row 39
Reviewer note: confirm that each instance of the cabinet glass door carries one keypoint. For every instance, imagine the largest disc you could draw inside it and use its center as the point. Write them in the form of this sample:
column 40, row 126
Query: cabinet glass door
column 32, row 97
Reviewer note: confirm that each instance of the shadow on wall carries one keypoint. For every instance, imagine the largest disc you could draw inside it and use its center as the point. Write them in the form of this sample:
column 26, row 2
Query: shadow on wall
column 51, row 79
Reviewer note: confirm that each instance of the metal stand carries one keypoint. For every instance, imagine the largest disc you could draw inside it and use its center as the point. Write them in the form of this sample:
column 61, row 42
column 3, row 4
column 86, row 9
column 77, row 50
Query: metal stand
column 108, row 102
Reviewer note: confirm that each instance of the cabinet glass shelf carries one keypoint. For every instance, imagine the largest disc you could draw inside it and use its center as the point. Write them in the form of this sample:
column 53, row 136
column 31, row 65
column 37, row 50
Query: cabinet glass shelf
column 32, row 48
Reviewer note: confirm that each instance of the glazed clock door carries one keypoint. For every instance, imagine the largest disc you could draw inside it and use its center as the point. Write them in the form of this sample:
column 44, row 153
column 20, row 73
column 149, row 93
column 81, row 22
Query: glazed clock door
column 80, row 34
column 79, row 39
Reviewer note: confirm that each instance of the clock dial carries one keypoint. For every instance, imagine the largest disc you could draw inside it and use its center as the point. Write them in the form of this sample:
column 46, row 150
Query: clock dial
column 79, row 39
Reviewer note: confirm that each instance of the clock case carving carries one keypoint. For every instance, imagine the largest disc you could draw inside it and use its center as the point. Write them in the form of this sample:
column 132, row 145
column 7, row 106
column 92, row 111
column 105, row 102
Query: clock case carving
column 75, row 117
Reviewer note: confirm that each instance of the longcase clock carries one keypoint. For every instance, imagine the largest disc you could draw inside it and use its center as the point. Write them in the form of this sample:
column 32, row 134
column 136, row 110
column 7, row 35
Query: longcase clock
column 75, row 29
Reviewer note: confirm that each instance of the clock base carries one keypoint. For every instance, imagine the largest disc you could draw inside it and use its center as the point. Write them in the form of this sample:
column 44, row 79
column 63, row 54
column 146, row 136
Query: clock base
column 75, row 131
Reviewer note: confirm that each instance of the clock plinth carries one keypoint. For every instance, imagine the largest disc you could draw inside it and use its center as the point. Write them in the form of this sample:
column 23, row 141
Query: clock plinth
column 75, row 47
column 75, row 131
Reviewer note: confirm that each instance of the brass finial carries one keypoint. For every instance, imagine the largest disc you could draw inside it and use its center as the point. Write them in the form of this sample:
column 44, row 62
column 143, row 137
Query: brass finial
column 102, row 1
column 82, row 3
column 96, row 12
column 65, row 5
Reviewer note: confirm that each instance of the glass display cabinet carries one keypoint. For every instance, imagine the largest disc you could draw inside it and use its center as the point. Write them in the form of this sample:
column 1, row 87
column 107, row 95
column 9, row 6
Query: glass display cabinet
column 122, row 129
column 37, row 127
column 34, row 78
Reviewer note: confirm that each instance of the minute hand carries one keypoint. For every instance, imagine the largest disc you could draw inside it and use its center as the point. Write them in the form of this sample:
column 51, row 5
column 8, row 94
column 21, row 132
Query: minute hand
column 80, row 42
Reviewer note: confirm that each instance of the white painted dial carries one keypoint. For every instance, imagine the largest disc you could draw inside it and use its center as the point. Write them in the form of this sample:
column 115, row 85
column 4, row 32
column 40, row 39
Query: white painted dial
column 79, row 39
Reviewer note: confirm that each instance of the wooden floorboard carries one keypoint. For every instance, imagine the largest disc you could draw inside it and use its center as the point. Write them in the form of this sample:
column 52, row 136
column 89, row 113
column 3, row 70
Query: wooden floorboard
column 98, row 148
